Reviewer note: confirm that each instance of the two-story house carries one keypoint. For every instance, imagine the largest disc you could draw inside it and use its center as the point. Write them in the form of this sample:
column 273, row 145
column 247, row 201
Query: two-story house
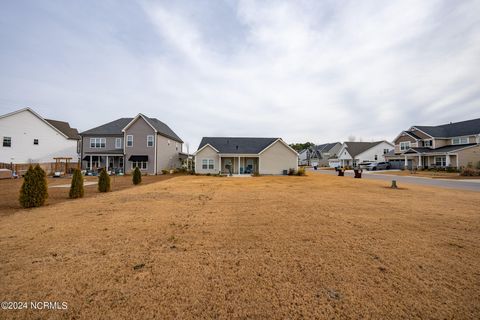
column 27, row 137
column 450, row 145
column 323, row 152
column 126, row 143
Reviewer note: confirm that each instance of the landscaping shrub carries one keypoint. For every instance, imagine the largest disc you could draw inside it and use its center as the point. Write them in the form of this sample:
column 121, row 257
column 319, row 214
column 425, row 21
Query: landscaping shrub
column 33, row 192
column 165, row 171
column 470, row 172
column 76, row 188
column 478, row 165
column 137, row 176
column 103, row 181
column 301, row 171
column 291, row 172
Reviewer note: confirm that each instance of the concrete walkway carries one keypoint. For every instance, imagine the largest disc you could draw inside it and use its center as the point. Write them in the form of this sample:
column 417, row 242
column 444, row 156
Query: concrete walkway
column 472, row 185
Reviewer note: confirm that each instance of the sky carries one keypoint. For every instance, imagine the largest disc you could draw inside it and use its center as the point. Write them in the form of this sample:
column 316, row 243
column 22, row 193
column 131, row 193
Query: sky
column 319, row 71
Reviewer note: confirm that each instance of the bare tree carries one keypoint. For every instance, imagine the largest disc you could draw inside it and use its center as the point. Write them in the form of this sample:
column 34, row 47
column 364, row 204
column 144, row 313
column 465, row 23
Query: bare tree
column 352, row 138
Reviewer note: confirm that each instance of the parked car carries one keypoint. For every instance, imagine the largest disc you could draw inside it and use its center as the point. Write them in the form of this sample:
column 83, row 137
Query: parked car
column 364, row 164
column 378, row 166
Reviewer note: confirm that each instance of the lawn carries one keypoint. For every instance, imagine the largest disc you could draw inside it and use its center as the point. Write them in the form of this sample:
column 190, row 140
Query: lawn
column 269, row 247
column 427, row 174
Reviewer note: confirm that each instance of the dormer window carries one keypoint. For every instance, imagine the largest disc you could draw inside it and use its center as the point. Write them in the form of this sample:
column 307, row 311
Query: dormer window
column 427, row 143
column 460, row 140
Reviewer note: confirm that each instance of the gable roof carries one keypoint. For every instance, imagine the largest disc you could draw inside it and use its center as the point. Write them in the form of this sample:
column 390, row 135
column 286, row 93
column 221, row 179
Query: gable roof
column 449, row 148
column 355, row 148
column 163, row 129
column 238, row 145
column 463, row 128
column 114, row 127
column 326, row 147
column 65, row 128
column 60, row 126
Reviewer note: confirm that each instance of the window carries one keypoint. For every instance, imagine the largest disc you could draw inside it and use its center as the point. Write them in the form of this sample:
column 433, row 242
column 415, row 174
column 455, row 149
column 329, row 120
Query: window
column 97, row 142
column 404, row 145
column 427, row 143
column 460, row 140
column 149, row 141
column 35, row 141
column 207, row 164
column 129, row 141
column 176, row 146
column 118, row 143
column 7, row 141
column 142, row 165
column 376, row 157
column 168, row 142
column 441, row 161
column 385, row 151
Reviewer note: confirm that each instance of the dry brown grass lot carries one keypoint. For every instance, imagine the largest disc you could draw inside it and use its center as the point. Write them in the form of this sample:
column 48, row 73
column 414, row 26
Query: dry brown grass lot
column 270, row 247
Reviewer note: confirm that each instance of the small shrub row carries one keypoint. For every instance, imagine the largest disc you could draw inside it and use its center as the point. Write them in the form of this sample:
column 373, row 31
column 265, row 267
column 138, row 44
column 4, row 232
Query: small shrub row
column 470, row 172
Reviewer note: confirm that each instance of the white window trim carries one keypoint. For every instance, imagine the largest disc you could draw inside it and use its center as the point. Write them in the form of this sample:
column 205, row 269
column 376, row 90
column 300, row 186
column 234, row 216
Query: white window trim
column 99, row 140
column 209, row 161
column 459, row 140
column 140, row 167
column 118, row 143
column 128, row 140
column 403, row 143
column 153, row 141
column 3, row 142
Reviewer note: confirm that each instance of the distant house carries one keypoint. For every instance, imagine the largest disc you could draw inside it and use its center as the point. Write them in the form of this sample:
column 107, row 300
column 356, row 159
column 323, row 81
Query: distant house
column 449, row 145
column 319, row 154
column 27, row 137
column 351, row 154
column 241, row 155
column 126, row 143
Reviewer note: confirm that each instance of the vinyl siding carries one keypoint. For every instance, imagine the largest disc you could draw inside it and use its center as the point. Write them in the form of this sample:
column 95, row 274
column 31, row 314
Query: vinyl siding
column 167, row 154
column 140, row 130
column 469, row 156
column 207, row 153
column 277, row 158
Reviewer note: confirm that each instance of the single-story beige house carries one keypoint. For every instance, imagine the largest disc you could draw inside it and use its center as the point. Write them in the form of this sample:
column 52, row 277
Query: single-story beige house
column 242, row 155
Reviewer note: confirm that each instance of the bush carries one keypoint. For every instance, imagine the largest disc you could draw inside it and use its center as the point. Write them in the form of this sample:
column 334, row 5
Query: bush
column 76, row 189
column 301, row 171
column 165, row 171
column 137, row 176
column 103, row 181
column 470, row 172
column 34, row 191
column 478, row 165
column 291, row 172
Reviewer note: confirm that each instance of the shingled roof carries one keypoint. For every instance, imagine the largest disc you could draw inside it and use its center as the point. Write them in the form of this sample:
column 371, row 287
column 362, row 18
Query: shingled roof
column 65, row 128
column 456, row 129
column 238, row 145
column 115, row 128
column 355, row 148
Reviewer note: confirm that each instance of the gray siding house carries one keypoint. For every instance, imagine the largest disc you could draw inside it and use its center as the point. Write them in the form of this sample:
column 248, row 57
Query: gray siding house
column 126, row 143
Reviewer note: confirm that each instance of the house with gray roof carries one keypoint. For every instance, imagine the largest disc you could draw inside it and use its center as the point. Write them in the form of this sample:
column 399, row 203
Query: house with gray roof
column 244, row 155
column 352, row 154
column 126, row 143
column 318, row 155
column 449, row 145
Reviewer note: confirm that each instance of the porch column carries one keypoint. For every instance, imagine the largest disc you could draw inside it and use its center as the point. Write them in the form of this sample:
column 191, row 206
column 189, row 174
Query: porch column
column 106, row 165
column 91, row 162
column 447, row 160
column 419, row 161
column 238, row 164
column 406, row 162
column 219, row 164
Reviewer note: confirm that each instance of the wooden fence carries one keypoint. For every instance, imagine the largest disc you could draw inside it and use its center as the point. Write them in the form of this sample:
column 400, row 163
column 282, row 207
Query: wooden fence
column 49, row 167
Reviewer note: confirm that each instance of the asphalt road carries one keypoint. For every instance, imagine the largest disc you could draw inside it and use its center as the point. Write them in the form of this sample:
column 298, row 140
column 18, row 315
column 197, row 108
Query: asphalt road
column 472, row 185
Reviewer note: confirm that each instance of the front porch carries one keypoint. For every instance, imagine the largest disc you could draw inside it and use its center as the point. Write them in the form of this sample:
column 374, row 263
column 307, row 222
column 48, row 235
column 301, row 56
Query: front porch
column 238, row 165
column 111, row 162
column 422, row 161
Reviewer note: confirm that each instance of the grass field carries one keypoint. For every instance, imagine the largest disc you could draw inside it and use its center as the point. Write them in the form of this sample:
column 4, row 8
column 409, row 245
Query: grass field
column 270, row 247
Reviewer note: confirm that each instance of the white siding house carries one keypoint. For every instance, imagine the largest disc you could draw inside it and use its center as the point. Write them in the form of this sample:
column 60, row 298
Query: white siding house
column 354, row 153
column 26, row 137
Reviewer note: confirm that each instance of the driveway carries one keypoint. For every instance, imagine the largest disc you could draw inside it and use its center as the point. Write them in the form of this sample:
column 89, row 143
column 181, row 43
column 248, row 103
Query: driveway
column 472, row 185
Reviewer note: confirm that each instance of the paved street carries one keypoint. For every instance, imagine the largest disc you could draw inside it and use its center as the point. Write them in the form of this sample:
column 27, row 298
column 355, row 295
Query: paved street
column 473, row 185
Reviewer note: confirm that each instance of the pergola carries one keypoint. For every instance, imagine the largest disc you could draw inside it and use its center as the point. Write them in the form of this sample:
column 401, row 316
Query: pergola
column 58, row 161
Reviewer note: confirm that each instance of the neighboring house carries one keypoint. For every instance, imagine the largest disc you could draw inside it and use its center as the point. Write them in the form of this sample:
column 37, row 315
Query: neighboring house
column 351, row 154
column 323, row 152
column 449, row 145
column 29, row 138
column 126, row 143
column 239, row 155
column 304, row 157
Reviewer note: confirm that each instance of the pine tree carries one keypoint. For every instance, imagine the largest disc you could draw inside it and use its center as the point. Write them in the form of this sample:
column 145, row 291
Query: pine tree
column 137, row 176
column 76, row 189
column 34, row 191
column 103, row 181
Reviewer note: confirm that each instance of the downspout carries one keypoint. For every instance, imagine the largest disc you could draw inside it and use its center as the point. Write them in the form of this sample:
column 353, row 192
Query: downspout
column 155, row 156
